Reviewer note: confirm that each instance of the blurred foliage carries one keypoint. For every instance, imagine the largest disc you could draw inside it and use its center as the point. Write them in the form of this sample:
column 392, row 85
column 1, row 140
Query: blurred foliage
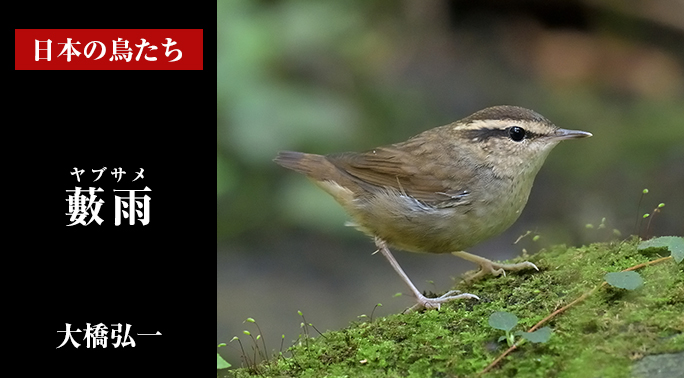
column 330, row 76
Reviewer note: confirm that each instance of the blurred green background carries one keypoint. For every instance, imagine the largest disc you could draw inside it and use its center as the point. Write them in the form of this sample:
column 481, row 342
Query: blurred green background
column 333, row 76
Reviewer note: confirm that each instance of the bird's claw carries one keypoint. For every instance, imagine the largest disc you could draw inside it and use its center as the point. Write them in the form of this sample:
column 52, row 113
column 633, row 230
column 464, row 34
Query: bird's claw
column 497, row 269
column 429, row 303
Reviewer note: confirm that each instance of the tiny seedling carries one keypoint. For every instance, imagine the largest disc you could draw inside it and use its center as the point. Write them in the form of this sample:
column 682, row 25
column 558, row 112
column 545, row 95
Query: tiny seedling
column 251, row 320
column 637, row 224
column 255, row 347
column 373, row 312
column 306, row 330
column 506, row 321
column 244, row 355
column 282, row 342
column 651, row 216
column 603, row 226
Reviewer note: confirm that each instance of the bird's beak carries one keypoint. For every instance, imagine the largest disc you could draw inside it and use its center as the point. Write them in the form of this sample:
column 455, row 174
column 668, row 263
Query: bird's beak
column 570, row 134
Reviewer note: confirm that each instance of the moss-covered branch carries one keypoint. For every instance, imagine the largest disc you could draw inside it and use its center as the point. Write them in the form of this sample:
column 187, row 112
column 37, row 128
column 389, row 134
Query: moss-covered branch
column 603, row 335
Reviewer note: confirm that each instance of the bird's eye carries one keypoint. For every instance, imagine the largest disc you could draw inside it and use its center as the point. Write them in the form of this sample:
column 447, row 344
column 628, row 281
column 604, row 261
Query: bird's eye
column 516, row 133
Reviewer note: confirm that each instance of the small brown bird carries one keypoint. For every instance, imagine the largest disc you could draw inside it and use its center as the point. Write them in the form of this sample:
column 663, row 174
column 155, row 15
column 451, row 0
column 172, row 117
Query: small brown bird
column 443, row 190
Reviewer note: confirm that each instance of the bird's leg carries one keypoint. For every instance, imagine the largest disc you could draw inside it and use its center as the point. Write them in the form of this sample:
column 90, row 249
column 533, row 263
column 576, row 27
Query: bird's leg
column 422, row 301
column 488, row 266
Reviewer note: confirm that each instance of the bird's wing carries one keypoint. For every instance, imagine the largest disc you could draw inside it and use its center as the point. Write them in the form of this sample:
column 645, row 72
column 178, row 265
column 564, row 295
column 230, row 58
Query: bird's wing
column 409, row 168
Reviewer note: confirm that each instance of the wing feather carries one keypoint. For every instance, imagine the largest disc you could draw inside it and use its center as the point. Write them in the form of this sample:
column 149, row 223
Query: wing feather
column 410, row 167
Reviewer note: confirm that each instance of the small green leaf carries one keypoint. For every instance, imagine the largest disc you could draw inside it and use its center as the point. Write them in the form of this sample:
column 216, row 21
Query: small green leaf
column 541, row 335
column 221, row 363
column 624, row 280
column 674, row 243
column 501, row 338
column 502, row 320
column 536, row 237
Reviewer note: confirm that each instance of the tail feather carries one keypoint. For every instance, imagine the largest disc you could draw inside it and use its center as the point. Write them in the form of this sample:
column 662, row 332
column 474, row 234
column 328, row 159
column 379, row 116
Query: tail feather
column 324, row 173
column 312, row 165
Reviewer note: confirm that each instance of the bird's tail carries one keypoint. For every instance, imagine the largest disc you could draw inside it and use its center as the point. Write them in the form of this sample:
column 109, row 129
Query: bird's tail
column 312, row 165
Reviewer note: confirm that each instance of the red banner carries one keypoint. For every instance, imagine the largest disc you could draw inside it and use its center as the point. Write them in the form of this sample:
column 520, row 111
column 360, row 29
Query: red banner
column 108, row 49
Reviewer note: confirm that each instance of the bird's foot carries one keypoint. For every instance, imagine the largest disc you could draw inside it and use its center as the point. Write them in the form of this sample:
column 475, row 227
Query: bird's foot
column 497, row 269
column 423, row 302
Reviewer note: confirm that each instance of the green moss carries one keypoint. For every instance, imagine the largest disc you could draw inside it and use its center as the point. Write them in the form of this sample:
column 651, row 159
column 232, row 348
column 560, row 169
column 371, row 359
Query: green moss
column 601, row 336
